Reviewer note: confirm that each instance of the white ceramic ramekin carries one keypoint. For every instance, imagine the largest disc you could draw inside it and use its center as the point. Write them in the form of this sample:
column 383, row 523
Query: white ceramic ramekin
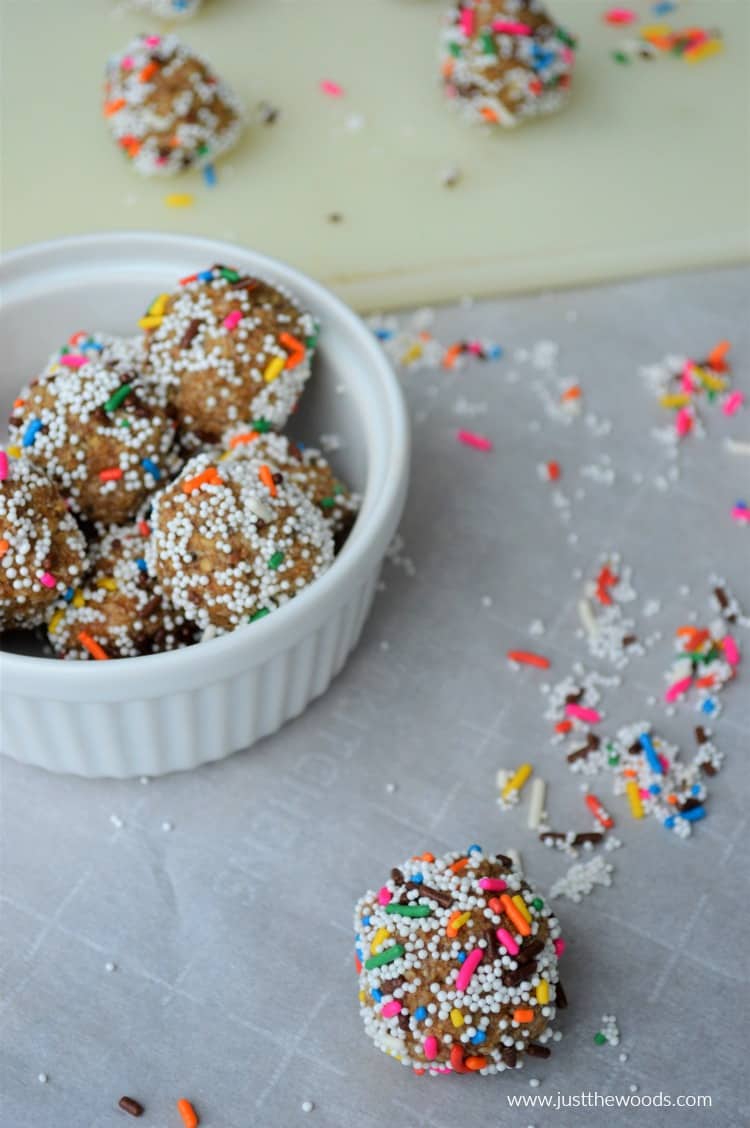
column 169, row 712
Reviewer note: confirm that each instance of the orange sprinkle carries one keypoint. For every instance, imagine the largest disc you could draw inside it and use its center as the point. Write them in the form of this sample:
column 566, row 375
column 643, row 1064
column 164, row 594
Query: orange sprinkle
column 527, row 658
column 111, row 474
column 427, row 857
column 475, row 1063
column 111, row 108
column 148, row 71
column 19, row 402
column 489, row 114
column 458, row 865
column 717, row 356
column 266, row 477
column 515, row 916
column 705, row 683
column 447, row 68
column 93, row 647
column 4, row 546
column 209, row 476
column 563, row 726
column 357, row 963
column 240, row 440
column 572, row 393
column 188, row 1113
column 295, row 349
column 523, row 1014
column 449, row 357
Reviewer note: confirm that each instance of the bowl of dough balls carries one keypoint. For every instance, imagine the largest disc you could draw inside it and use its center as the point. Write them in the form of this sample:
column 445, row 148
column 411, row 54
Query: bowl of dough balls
column 206, row 460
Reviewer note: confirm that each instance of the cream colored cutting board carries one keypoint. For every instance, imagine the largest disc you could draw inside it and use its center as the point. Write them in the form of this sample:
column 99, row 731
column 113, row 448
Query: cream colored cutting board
column 648, row 168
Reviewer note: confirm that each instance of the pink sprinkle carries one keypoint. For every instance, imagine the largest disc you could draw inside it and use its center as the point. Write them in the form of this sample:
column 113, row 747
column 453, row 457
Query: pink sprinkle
column 510, row 27
column 48, row 580
column 733, row 403
column 494, row 884
column 663, row 761
column 620, row 16
column 468, row 16
column 475, row 348
column 731, row 650
column 389, row 1009
column 568, row 56
column 331, row 88
column 678, row 688
column 468, row 967
column 73, row 360
column 127, row 62
column 384, row 896
column 559, row 946
column 232, row 319
column 683, row 422
column 152, row 40
column 430, row 1047
column 581, row 713
column 507, row 941
column 472, row 439
column 3, row 466
column 741, row 513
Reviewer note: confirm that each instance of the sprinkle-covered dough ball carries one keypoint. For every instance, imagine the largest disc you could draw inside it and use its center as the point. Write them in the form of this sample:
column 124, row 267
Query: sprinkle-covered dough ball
column 457, row 961
column 118, row 611
column 42, row 550
column 166, row 108
column 95, row 425
column 233, row 540
column 505, row 60
column 306, row 468
column 231, row 349
column 168, row 9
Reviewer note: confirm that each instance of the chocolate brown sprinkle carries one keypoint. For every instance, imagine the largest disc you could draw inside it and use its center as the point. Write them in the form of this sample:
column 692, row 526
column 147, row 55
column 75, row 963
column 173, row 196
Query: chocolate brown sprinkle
column 131, row 1106
column 509, row 1056
column 397, row 876
column 443, row 899
column 701, row 736
column 533, row 1049
column 191, row 332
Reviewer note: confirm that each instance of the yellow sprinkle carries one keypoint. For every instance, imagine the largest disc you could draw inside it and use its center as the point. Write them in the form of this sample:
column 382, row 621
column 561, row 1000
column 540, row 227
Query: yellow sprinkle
column 516, row 781
column 680, row 399
column 413, row 353
column 150, row 322
column 55, row 621
column 107, row 583
column 634, row 798
column 520, row 904
column 362, row 996
column 457, row 1018
column 223, row 457
column 459, row 922
column 657, row 31
column 542, row 992
column 14, row 451
column 159, row 305
column 178, row 200
column 712, row 47
column 274, row 369
column 713, row 383
column 377, row 940
column 78, row 600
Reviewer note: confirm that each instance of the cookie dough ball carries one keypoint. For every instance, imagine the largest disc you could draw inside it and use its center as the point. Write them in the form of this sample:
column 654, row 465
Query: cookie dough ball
column 100, row 429
column 168, row 9
column 306, row 468
column 118, row 611
column 233, row 540
column 505, row 60
column 231, row 349
column 42, row 550
column 166, row 108
column 457, row 962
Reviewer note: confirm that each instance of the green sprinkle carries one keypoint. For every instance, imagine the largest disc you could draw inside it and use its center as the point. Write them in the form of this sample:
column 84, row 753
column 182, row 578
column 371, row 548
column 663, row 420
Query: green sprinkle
column 565, row 38
column 125, row 423
column 117, row 397
column 408, row 910
column 455, row 49
column 202, row 149
column 620, row 57
column 338, row 489
column 386, row 957
column 613, row 759
column 230, row 275
column 312, row 341
column 488, row 43
column 327, row 502
column 259, row 615
column 262, row 426
column 275, row 560
column 538, row 903
column 599, row 1039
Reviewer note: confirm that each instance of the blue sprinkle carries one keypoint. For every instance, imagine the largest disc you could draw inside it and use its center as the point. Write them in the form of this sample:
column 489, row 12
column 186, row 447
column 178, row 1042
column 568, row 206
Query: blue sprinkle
column 478, row 1038
column 474, row 849
column 494, row 352
column 92, row 345
column 695, row 789
column 377, row 995
column 31, row 432
column 708, row 706
column 151, row 468
column 420, row 1014
column 417, row 878
column 69, row 594
column 384, row 334
column 209, row 175
column 663, row 7
column 142, row 565
column 366, row 920
column 461, row 957
column 694, row 814
column 669, row 822
column 648, row 747
column 654, row 789
column 205, row 276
